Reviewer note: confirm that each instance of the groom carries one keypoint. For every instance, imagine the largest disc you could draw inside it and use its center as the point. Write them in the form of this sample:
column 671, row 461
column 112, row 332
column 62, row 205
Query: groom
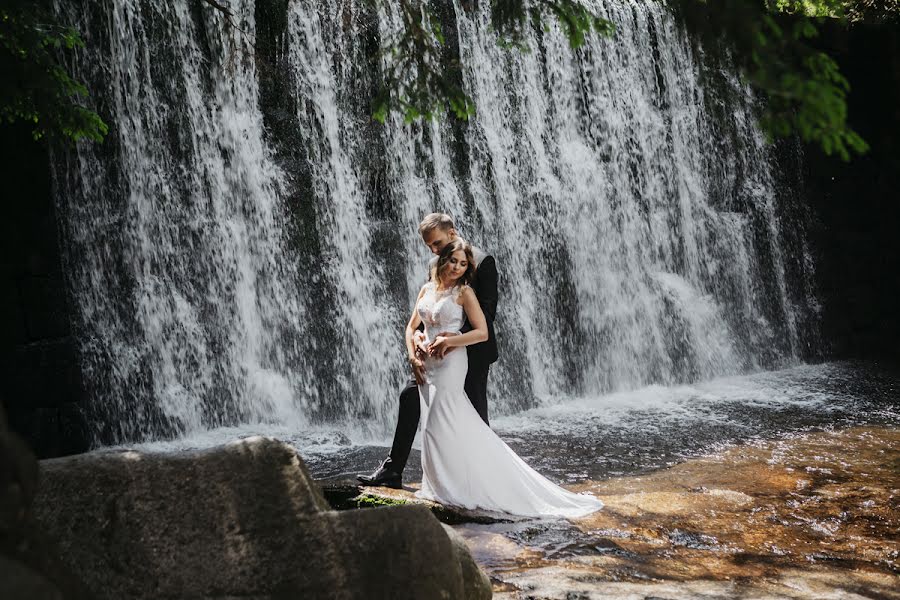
column 437, row 230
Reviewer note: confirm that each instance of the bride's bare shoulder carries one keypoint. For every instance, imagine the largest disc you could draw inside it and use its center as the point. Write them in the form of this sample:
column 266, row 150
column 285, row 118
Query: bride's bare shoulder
column 463, row 292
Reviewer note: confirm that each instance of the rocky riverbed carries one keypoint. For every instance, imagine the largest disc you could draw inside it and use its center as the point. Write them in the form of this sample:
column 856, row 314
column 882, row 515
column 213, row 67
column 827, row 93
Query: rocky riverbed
column 812, row 516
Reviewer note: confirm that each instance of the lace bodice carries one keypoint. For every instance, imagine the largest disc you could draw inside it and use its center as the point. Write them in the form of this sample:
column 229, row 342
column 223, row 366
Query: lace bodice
column 439, row 310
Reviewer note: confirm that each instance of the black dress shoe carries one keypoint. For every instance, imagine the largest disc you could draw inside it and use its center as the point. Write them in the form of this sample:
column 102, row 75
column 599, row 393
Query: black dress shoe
column 383, row 477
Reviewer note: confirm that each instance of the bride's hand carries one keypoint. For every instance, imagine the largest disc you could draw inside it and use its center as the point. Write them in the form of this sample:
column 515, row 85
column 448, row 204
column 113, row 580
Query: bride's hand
column 445, row 347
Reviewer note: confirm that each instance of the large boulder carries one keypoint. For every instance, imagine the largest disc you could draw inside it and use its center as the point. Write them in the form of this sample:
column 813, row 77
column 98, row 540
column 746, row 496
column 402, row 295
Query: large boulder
column 29, row 564
column 243, row 520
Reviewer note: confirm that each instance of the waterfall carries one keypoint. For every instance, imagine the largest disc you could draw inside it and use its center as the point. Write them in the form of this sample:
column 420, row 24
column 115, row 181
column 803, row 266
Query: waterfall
column 189, row 312
column 243, row 248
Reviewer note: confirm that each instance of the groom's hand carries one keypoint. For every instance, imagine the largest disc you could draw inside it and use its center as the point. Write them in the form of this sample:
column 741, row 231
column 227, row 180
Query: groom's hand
column 418, row 369
column 442, row 350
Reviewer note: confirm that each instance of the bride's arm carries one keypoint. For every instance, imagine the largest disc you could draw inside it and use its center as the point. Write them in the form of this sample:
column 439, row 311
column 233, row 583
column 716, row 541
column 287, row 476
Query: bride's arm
column 414, row 321
column 478, row 333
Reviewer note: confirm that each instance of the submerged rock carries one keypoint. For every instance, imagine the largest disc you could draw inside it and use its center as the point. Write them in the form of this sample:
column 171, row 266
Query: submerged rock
column 241, row 520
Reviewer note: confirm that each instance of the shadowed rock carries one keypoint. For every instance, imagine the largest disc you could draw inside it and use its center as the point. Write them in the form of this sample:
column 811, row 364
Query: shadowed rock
column 476, row 585
column 29, row 564
column 241, row 520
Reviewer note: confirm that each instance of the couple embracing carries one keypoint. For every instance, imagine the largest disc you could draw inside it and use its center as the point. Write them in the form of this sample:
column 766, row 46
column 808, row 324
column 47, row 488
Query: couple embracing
column 464, row 463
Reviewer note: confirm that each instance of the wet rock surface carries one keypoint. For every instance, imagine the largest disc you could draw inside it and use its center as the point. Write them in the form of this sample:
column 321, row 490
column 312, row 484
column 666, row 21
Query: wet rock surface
column 343, row 493
column 809, row 516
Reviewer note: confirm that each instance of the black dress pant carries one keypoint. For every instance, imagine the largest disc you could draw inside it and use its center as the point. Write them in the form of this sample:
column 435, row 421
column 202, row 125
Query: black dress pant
column 408, row 418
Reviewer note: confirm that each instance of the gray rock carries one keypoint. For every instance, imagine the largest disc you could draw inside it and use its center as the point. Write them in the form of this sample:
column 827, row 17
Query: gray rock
column 243, row 520
column 476, row 584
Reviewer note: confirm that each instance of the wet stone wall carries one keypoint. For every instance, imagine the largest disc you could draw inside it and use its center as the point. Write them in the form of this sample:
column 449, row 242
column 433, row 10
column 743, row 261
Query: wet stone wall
column 41, row 390
column 857, row 203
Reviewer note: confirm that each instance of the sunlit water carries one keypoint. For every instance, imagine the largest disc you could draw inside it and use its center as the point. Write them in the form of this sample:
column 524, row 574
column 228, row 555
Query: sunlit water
column 574, row 439
column 814, row 511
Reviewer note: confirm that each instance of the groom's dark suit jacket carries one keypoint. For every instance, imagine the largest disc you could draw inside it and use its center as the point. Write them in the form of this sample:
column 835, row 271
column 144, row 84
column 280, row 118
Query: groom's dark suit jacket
column 485, row 287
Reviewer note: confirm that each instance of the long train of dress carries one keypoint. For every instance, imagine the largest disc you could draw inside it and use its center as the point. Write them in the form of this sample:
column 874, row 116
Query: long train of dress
column 464, row 463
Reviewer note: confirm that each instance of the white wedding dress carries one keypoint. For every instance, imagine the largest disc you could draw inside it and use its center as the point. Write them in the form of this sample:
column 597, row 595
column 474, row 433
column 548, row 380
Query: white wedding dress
column 464, row 463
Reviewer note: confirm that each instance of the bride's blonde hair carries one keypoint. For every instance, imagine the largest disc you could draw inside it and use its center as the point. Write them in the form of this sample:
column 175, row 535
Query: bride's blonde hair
column 443, row 262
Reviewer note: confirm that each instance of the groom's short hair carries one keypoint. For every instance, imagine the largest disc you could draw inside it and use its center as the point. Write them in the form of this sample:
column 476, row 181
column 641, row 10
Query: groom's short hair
column 436, row 221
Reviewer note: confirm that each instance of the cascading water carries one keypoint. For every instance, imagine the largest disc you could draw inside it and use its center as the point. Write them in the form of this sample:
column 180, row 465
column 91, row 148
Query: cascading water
column 219, row 279
column 603, row 167
column 189, row 311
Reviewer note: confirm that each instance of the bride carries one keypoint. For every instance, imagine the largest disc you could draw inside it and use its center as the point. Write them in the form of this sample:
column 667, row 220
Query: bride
column 464, row 463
